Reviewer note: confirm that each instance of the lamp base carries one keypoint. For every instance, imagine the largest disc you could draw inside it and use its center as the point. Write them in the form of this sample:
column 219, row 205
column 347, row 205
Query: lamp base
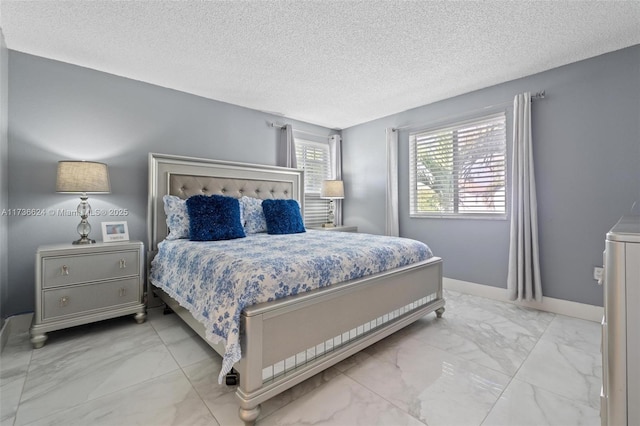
column 328, row 225
column 84, row 240
column 83, row 228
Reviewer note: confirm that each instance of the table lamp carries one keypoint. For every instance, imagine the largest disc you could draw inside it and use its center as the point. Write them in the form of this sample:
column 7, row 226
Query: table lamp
column 83, row 177
column 332, row 190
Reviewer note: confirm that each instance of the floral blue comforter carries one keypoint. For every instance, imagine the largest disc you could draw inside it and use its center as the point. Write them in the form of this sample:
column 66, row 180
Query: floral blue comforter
column 216, row 280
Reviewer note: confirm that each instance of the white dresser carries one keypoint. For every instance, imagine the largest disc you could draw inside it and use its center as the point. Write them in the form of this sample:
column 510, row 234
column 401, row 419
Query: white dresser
column 620, row 398
column 79, row 284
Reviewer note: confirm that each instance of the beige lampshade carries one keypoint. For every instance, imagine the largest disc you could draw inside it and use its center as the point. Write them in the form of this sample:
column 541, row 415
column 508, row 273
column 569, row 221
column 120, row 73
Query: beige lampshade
column 83, row 176
column 332, row 189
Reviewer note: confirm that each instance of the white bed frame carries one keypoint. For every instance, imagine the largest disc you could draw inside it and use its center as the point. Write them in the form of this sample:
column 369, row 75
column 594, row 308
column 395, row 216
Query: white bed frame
column 289, row 340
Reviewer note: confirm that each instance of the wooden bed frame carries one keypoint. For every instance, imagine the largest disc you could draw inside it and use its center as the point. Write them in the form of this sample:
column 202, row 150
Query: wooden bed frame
column 289, row 340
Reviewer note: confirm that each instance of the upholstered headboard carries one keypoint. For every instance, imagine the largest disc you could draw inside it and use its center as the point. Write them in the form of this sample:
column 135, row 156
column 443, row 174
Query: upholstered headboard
column 184, row 186
column 187, row 176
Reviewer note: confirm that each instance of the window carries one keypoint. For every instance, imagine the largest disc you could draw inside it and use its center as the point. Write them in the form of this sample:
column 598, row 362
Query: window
column 459, row 170
column 313, row 158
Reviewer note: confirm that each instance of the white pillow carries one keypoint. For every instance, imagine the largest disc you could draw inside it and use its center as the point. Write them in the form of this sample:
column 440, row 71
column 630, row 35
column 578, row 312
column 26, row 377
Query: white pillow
column 175, row 208
column 252, row 215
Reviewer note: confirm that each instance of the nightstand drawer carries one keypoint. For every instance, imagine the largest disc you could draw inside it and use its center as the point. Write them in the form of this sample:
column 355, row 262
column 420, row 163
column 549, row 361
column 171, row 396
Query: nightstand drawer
column 82, row 298
column 66, row 270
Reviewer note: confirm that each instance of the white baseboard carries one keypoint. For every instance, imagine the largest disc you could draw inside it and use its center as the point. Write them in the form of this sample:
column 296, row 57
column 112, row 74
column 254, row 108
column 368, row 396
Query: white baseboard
column 548, row 304
column 14, row 325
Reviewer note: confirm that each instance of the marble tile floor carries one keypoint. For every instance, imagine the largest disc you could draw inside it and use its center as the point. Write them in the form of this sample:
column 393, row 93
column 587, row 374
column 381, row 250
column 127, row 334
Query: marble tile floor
column 484, row 363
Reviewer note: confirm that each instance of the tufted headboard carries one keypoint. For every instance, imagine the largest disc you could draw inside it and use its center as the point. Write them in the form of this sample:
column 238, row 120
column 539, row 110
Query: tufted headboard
column 187, row 176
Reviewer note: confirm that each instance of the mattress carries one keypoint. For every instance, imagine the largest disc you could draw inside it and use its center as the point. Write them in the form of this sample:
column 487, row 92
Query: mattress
column 216, row 280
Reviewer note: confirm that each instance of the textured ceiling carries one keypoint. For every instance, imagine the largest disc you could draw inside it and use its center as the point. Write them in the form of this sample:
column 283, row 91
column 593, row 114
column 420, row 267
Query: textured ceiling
column 331, row 63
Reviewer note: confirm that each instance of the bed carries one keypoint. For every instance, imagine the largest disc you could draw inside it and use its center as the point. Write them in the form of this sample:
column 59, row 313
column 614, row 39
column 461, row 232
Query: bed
column 283, row 341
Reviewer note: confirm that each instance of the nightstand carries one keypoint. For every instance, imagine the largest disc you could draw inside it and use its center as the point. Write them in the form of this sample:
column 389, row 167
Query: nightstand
column 339, row 229
column 79, row 284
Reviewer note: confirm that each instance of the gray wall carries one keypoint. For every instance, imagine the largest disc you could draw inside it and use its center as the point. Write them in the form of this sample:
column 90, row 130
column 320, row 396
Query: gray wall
column 587, row 152
column 4, row 173
column 587, row 158
column 59, row 111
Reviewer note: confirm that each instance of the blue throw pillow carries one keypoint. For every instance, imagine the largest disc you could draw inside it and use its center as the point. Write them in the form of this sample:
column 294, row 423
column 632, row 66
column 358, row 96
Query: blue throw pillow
column 213, row 218
column 283, row 216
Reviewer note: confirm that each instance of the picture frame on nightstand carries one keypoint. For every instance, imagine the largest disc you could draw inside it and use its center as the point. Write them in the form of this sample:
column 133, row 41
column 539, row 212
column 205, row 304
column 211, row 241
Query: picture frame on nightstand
column 115, row 231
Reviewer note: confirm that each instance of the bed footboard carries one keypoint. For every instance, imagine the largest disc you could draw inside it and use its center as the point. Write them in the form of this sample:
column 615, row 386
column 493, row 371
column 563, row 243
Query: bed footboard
column 287, row 341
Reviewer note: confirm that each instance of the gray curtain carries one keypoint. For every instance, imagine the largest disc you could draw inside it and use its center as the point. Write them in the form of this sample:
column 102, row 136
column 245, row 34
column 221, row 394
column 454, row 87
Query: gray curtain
column 287, row 149
column 392, row 222
column 335, row 154
column 523, row 278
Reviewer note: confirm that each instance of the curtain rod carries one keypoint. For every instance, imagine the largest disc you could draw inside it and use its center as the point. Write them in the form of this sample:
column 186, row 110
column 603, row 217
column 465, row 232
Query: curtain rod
column 537, row 95
column 282, row 126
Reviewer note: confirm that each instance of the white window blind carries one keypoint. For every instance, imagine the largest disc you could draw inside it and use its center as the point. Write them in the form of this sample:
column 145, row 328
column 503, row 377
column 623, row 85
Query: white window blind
column 459, row 170
column 313, row 158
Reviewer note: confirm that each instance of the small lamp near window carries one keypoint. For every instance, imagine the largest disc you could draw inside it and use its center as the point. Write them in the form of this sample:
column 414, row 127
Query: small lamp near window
column 83, row 177
column 332, row 190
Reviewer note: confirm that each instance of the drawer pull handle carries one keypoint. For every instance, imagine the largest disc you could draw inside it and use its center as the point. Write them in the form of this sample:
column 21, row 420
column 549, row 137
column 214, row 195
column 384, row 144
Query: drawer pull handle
column 65, row 270
column 122, row 292
column 123, row 263
column 64, row 301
